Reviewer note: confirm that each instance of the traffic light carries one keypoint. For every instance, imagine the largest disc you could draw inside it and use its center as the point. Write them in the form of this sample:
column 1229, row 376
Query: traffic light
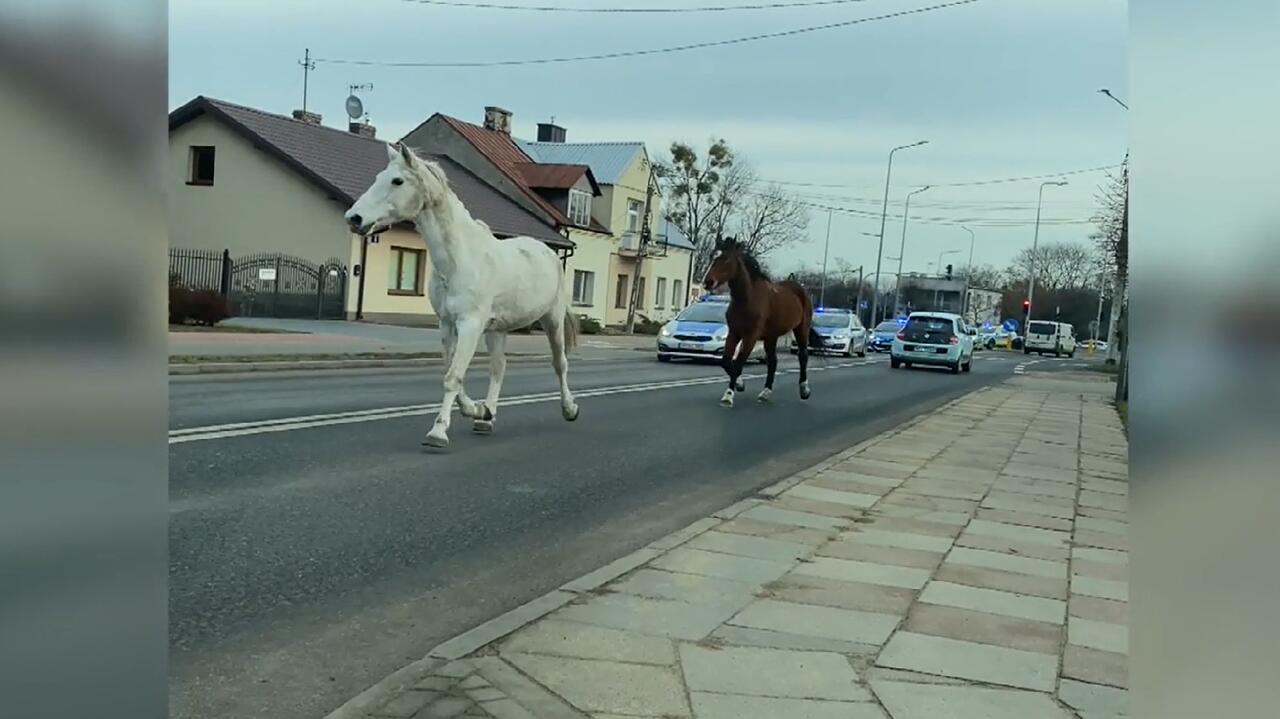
column 948, row 271
column 1026, row 307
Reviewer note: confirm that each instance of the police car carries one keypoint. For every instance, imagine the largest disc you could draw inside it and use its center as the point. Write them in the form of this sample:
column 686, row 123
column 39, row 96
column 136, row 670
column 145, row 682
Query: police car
column 699, row 332
column 841, row 331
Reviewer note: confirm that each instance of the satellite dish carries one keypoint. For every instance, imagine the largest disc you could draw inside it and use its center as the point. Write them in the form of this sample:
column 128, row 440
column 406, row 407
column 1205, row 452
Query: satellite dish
column 355, row 108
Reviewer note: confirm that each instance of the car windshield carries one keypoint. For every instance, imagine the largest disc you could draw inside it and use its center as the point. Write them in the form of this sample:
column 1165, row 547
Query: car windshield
column 704, row 312
column 887, row 327
column 1042, row 328
column 831, row 319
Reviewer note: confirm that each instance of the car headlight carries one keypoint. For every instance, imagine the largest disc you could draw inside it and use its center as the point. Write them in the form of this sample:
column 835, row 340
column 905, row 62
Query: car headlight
column 839, row 335
column 666, row 330
column 722, row 333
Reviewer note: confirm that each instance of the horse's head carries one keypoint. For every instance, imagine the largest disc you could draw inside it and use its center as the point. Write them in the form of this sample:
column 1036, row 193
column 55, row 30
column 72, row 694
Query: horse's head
column 399, row 193
column 726, row 265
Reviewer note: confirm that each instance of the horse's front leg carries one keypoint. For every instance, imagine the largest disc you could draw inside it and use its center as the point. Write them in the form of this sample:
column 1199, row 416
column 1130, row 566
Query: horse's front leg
column 449, row 338
column 468, row 331
column 487, row 411
column 730, row 347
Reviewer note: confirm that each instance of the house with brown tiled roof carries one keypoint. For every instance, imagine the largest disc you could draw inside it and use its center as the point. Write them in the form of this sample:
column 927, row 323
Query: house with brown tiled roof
column 594, row 192
column 249, row 181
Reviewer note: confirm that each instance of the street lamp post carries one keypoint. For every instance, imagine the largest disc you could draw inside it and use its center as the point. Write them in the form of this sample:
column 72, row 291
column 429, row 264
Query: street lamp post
column 822, row 294
column 1031, row 282
column 968, row 275
column 884, row 215
column 902, row 248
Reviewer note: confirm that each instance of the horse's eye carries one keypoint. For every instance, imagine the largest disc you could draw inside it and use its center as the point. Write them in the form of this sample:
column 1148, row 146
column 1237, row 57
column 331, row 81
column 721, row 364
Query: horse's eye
column 397, row 181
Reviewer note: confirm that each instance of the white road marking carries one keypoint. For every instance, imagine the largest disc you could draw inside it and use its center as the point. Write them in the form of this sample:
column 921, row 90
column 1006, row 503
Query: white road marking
column 286, row 424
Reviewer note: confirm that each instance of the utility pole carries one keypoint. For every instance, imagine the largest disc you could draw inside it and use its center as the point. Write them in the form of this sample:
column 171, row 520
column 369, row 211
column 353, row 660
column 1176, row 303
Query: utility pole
column 307, row 66
column 643, row 247
column 884, row 215
column 857, row 304
column 1035, row 241
column 968, row 278
column 822, row 294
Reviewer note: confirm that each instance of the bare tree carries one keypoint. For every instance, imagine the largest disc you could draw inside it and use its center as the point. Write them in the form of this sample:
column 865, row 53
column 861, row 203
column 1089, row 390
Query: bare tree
column 1058, row 266
column 771, row 219
column 702, row 192
column 984, row 277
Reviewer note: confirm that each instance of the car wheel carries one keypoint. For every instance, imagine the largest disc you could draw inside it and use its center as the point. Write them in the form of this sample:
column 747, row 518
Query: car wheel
column 955, row 368
column 906, row 364
column 1072, row 353
column 862, row 352
column 1026, row 351
column 894, row 362
column 968, row 366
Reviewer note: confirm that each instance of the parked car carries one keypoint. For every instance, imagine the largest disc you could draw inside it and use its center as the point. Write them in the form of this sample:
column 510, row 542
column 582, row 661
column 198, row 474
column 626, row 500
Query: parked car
column 882, row 336
column 841, row 331
column 1095, row 345
column 934, row 338
column 1056, row 337
column 699, row 332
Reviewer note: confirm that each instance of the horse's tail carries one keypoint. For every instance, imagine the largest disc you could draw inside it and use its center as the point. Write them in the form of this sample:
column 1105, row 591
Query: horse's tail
column 570, row 331
column 806, row 317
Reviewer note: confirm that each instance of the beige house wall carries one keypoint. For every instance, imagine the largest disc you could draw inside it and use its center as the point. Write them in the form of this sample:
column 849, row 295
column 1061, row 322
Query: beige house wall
column 592, row 254
column 255, row 204
column 380, row 303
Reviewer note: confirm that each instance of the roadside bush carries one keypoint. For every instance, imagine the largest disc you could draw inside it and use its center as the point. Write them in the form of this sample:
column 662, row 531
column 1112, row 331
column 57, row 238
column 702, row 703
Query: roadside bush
column 179, row 304
column 588, row 325
column 204, row 307
column 646, row 326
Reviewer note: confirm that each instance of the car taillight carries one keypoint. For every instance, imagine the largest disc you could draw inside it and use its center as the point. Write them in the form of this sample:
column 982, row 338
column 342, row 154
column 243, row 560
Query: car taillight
column 955, row 340
column 902, row 335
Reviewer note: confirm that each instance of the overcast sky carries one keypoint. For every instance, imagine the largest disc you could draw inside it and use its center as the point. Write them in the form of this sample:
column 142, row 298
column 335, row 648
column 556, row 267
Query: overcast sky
column 1000, row 88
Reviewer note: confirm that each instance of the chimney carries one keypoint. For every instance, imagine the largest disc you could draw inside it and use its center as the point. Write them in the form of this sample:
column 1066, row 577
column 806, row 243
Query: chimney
column 496, row 118
column 363, row 129
column 550, row 132
column 311, row 118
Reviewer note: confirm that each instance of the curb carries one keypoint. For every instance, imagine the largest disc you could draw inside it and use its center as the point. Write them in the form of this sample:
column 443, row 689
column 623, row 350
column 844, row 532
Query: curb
column 510, row 621
column 193, row 368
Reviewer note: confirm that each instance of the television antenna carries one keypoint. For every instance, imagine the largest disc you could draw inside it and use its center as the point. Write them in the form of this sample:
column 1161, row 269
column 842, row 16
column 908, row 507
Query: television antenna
column 355, row 107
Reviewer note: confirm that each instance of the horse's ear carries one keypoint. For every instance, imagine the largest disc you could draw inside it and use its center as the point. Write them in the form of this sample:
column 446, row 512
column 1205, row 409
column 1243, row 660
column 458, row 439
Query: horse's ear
column 393, row 152
column 407, row 155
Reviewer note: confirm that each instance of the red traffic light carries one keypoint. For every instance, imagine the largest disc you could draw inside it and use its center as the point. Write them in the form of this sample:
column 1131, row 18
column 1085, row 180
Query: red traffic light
column 1026, row 305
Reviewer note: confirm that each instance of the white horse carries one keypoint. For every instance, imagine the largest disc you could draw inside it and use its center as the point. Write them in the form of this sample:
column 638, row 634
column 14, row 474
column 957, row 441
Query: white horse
column 479, row 285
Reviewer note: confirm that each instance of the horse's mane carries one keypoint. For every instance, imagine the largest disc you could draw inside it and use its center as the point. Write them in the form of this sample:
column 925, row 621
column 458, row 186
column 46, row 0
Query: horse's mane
column 749, row 259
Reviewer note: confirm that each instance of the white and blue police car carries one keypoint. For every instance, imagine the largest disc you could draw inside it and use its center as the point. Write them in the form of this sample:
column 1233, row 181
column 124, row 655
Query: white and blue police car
column 699, row 332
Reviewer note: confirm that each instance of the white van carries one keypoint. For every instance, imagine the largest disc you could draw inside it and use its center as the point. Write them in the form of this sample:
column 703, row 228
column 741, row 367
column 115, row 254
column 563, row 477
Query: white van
column 1056, row 337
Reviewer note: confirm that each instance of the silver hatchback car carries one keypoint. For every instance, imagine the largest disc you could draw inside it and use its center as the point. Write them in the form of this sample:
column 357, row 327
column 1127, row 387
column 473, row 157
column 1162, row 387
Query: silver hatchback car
column 934, row 338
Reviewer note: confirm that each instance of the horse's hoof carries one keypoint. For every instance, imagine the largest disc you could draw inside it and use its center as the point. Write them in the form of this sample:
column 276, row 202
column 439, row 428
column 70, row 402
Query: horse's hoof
column 765, row 395
column 804, row 390
column 727, row 399
column 570, row 413
column 482, row 426
column 440, row 440
column 740, row 386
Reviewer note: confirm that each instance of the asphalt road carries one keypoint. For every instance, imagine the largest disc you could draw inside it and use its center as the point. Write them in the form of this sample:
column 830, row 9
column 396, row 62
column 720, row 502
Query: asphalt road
column 315, row 546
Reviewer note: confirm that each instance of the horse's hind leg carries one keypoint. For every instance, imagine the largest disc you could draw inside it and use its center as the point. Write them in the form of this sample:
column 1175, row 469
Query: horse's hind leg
column 802, row 345
column 554, row 324
column 487, row 411
column 771, row 357
column 727, row 361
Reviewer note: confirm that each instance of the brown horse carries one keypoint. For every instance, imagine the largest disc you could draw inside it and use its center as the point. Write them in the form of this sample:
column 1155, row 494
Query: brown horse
column 760, row 310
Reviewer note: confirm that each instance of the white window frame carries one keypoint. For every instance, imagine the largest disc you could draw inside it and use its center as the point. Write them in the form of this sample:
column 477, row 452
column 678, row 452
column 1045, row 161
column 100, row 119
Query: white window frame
column 659, row 294
column 584, row 291
column 677, row 302
column 620, row 292
column 581, row 215
column 634, row 209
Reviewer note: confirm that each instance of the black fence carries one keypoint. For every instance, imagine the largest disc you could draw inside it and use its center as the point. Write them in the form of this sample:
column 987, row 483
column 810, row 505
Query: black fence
column 266, row 284
column 200, row 269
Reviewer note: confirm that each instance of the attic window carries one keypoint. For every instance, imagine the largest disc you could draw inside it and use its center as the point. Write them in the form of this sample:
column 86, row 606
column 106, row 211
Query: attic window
column 579, row 208
column 201, row 165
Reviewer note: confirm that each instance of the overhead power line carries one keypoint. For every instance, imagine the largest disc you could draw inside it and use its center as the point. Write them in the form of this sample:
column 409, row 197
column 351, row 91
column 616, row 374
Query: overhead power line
column 953, row 184
column 652, row 51
column 633, row 10
column 926, row 220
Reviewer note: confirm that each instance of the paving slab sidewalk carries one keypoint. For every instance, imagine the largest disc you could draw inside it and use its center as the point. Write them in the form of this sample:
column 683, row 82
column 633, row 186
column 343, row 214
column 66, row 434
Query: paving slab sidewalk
column 964, row 565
